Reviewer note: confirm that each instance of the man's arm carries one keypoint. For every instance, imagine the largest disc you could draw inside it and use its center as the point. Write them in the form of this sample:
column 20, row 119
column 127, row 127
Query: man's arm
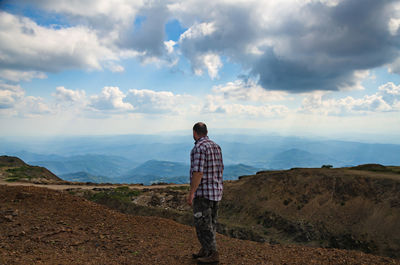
column 196, row 179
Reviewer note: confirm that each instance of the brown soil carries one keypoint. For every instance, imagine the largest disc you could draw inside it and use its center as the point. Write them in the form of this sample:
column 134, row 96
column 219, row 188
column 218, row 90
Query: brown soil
column 43, row 226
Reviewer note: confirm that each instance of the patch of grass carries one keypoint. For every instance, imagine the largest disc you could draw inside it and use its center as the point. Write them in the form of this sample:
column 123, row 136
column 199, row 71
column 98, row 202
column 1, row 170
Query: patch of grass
column 184, row 188
column 18, row 173
column 378, row 168
column 123, row 194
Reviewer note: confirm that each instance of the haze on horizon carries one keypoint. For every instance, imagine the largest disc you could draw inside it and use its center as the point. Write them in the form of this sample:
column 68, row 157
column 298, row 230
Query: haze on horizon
column 327, row 68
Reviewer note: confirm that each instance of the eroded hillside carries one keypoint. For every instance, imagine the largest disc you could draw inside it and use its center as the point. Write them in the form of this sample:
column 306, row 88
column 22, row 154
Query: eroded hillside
column 339, row 208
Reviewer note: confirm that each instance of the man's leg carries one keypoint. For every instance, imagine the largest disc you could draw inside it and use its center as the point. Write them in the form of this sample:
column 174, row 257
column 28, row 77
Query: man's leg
column 203, row 220
column 214, row 214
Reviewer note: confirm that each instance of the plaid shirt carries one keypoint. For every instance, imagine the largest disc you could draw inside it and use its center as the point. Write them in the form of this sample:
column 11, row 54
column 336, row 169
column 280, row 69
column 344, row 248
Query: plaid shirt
column 206, row 157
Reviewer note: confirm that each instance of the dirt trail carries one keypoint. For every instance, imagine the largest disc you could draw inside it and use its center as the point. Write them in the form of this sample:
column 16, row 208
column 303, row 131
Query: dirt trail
column 43, row 226
column 86, row 187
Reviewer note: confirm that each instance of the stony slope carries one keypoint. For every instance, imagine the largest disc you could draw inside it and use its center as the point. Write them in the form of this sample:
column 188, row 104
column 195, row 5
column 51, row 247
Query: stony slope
column 41, row 226
column 349, row 208
column 341, row 208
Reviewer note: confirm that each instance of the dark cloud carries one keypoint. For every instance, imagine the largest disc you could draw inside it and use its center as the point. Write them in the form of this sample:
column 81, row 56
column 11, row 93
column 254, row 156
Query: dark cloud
column 324, row 55
column 235, row 30
column 148, row 36
column 314, row 46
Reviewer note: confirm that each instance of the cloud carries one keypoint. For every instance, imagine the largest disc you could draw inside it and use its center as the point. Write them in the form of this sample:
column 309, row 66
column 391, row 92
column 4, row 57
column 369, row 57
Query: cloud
column 387, row 99
column 28, row 49
column 16, row 76
column 153, row 102
column 110, row 99
column 144, row 101
column 325, row 45
column 391, row 94
column 147, row 36
column 14, row 102
column 99, row 14
column 209, row 61
column 10, row 95
column 296, row 46
column 32, row 106
column 247, row 90
column 293, row 46
column 115, row 68
column 217, row 104
column 67, row 95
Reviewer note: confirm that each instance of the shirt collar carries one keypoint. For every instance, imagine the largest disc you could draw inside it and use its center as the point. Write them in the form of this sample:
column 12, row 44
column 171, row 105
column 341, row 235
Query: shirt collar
column 201, row 139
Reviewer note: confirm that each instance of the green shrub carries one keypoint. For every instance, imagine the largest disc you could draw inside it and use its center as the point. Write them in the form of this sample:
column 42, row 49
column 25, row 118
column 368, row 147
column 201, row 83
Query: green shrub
column 123, row 193
column 18, row 173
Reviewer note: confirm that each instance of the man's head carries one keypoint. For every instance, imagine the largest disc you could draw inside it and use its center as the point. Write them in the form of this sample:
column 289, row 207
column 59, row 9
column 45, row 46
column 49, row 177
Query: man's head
column 199, row 130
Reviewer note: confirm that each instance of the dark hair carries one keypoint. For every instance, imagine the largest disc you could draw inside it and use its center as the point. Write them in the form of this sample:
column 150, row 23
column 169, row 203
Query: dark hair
column 200, row 128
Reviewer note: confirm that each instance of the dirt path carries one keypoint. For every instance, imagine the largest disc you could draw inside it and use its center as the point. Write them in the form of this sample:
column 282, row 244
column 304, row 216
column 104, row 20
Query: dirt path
column 86, row 187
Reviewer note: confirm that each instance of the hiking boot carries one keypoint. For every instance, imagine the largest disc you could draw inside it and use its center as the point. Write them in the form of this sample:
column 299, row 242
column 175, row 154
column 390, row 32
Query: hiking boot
column 202, row 253
column 211, row 259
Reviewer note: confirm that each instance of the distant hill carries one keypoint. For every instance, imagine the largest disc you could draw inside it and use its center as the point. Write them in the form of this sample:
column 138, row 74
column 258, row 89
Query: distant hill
column 299, row 158
column 97, row 165
column 14, row 169
column 232, row 172
column 154, row 171
column 254, row 150
column 85, row 177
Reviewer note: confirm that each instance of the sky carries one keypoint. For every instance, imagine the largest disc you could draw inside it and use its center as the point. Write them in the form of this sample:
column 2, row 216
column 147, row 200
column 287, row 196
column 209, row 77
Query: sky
column 326, row 68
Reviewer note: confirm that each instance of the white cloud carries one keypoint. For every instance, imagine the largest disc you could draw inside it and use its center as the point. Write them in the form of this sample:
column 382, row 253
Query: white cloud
column 394, row 25
column 169, row 45
column 110, row 99
column 10, row 95
column 16, row 76
column 247, row 90
column 67, row 95
column 198, row 31
column 217, row 104
column 32, row 106
column 115, row 68
column 14, row 102
column 149, row 101
column 99, row 12
column 209, row 61
column 391, row 94
column 385, row 100
column 31, row 49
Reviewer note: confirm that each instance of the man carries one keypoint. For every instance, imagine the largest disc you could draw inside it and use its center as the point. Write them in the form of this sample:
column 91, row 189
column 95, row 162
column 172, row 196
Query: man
column 206, row 169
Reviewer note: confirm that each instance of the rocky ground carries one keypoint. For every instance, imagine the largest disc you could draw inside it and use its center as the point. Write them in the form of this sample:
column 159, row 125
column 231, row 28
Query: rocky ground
column 335, row 208
column 43, row 226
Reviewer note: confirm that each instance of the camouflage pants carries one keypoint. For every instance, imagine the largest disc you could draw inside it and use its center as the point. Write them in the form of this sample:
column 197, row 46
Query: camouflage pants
column 205, row 220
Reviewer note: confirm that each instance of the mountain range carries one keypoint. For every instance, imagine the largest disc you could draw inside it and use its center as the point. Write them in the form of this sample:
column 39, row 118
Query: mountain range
column 164, row 158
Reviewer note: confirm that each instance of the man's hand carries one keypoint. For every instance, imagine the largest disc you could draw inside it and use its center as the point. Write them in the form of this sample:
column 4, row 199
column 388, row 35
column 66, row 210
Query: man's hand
column 190, row 198
column 195, row 182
